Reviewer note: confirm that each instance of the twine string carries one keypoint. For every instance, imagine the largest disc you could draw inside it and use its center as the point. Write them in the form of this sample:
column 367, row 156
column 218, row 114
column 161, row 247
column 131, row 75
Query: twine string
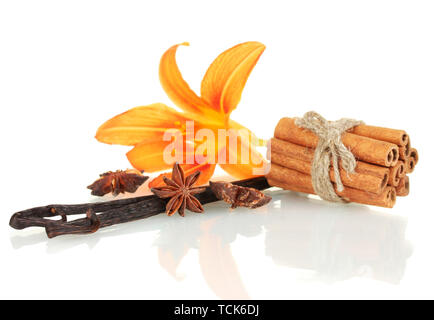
column 329, row 151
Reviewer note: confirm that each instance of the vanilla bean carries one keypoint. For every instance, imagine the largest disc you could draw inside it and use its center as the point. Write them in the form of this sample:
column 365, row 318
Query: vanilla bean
column 110, row 212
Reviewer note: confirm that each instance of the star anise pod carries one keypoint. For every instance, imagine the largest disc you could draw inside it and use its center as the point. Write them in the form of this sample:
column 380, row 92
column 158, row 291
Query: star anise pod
column 238, row 196
column 181, row 192
column 118, row 182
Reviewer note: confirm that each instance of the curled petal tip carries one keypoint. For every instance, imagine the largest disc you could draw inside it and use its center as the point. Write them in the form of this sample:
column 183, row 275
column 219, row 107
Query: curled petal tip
column 261, row 44
column 175, row 86
column 224, row 80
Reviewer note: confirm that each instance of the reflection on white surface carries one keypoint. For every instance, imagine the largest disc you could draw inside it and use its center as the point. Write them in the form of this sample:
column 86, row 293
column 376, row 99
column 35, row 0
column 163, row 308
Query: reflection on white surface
column 334, row 241
column 337, row 241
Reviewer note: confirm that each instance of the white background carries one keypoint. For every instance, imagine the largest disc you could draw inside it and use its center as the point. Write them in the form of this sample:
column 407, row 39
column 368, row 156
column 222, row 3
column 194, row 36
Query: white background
column 67, row 66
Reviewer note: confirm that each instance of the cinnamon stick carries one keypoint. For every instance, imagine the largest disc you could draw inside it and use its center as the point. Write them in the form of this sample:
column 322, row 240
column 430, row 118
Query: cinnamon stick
column 410, row 165
column 398, row 137
column 415, row 155
column 296, row 181
column 296, row 151
column 355, row 180
column 404, row 151
column 364, row 148
column 412, row 160
column 396, row 173
column 403, row 188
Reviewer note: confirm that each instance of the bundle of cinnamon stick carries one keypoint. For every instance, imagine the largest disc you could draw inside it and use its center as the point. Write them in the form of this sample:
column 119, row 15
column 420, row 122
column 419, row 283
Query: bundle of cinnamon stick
column 384, row 160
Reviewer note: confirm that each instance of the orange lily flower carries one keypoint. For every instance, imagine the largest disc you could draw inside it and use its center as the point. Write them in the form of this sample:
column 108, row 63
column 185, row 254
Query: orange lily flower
column 221, row 89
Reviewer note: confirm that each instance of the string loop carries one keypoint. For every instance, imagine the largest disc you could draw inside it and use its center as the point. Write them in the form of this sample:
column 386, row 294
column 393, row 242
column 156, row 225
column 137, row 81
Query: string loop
column 330, row 151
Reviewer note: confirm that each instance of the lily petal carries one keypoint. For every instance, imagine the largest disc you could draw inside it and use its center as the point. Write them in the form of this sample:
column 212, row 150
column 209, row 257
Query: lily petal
column 175, row 86
column 247, row 133
column 224, row 80
column 206, row 169
column 141, row 123
column 149, row 156
column 243, row 168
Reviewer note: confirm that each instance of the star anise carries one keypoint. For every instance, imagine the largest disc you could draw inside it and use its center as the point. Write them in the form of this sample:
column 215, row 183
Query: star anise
column 239, row 196
column 181, row 192
column 117, row 182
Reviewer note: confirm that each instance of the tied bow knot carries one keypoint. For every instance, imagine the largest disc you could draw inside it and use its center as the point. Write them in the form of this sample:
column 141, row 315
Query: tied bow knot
column 329, row 151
